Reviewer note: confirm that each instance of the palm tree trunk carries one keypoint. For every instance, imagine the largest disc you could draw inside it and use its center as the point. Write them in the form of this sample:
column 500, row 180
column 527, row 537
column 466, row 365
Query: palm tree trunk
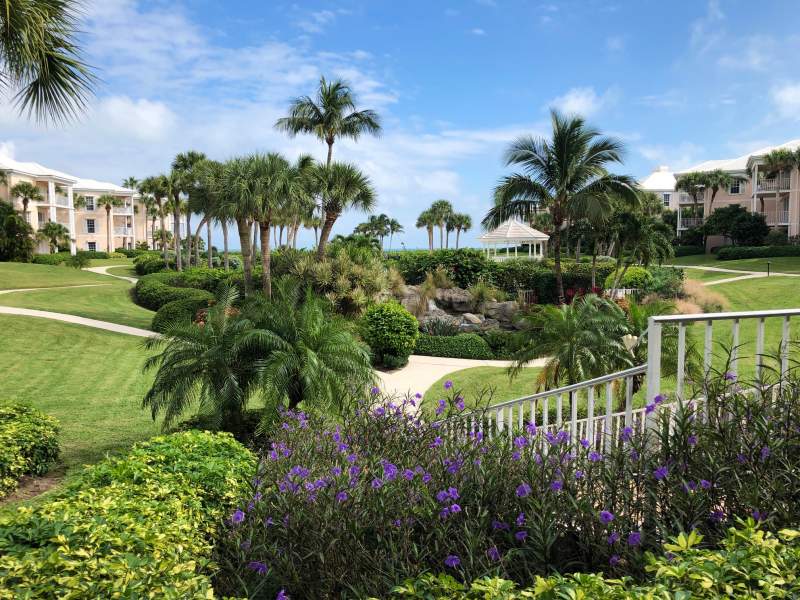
column 208, row 244
column 458, row 235
column 24, row 209
column 266, row 271
column 255, row 240
column 176, row 233
column 557, row 258
column 594, row 265
column 163, row 234
column 225, row 243
column 430, row 239
column 280, row 235
column 109, row 233
column 247, row 260
column 188, row 238
column 330, row 152
column 316, row 236
column 441, row 236
column 153, row 232
column 327, row 226
column 196, row 244
column 391, row 235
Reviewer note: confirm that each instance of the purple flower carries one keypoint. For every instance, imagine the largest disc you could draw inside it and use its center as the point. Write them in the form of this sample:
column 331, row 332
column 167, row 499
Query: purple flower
column 376, row 483
column 730, row 376
column 418, row 396
column 452, row 560
column 649, row 408
column 758, row 515
column 455, row 508
column 380, row 411
column 408, row 474
column 634, row 538
column 613, row 538
column 614, row 560
column 336, row 471
column 579, row 474
column 523, row 490
column 441, row 407
column 606, row 517
column 659, row 399
column 595, row 456
column 557, row 485
column 282, row 595
column 764, row 453
column 493, row 553
column 634, row 455
column 341, row 497
column 626, row 434
column 426, row 478
column 661, row 472
column 375, row 391
column 741, row 458
column 460, row 403
column 705, row 484
column 692, row 440
column 444, row 513
column 520, row 519
column 500, row 525
column 389, row 471
column 717, row 516
column 436, row 442
column 585, row 443
column 520, row 441
column 257, row 566
column 448, row 384
column 453, row 493
column 237, row 516
column 516, row 455
column 521, row 535
column 531, row 429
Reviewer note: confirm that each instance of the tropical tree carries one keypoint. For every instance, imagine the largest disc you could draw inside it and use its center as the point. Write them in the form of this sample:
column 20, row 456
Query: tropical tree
column 131, row 183
column 203, row 201
column 441, row 210
column 40, row 59
column 310, row 357
column 427, row 220
column 341, row 187
column 461, row 222
column 566, row 174
column 109, row 202
column 580, row 340
column 27, row 193
column 694, row 184
column 299, row 204
column 394, row 228
column 156, row 190
column 234, row 189
column 16, row 236
column 716, row 180
column 329, row 116
column 55, row 234
column 180, row 180
column 639, row 239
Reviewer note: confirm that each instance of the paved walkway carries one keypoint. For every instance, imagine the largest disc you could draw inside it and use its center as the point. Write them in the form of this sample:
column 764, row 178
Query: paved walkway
column 59, row 287
column 44, row 314
column 422, row 372
column 740, row 274
column 104, row 271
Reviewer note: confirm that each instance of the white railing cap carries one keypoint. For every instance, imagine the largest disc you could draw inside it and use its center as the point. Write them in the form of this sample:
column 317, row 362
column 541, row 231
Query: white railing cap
column 731, row 316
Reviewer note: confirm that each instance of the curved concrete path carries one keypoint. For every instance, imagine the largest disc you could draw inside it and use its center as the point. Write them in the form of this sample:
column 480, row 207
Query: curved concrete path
column 740, row 274
column 104, row 271
column 44, row 314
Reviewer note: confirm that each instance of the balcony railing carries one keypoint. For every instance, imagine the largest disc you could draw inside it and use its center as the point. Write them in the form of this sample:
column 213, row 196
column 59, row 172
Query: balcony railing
column 781, row 183
column 688, row 222
column 685, row 198
column 123, row 230
column 776, row 217
column 123, row 210
column 62, row 200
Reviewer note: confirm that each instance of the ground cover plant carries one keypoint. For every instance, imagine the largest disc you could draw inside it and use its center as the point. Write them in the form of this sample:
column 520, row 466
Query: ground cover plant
column 28, row 444
column 381, row 488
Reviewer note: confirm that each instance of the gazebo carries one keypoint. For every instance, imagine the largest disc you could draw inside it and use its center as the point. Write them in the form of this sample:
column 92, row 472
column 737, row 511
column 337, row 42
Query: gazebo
column 514, row 233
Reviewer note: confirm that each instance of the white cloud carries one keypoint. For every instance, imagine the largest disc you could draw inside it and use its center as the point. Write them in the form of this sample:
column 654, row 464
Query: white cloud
column 756, row 53
column 668, row 99
column 315, row 22
column 584, row 101
column 677, row 156
column 477, row 31
column 706, row 31
column 786, row 98
column 8, row 150
column 139, row 119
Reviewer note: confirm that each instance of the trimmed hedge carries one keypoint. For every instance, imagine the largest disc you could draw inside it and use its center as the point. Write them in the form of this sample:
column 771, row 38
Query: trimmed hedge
column 137, row 526
column 751, row 564
column 177, row 311
column 150, row 262
column 737, row 252
column 464, row 266
column 28, row 444
column 157, row 289
column 463, row 345
column 689, row 250
column 391, row 332
column 51, row 259
column 511, row 276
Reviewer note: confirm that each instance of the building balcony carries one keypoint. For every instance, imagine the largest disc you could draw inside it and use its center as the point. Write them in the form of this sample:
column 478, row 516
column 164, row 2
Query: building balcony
column 689, row 222
column 124, row 231
column 776, row 217
column 782, row 183
column 62, row 201
column 123, row 210
column 685, row 198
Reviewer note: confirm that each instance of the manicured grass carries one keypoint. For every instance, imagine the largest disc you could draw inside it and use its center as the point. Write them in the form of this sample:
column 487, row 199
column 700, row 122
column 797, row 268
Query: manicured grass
column 105, row 262
column 15, row 276
column 123, row 271
column 706, row 276
column 89, row 379
column 109, row 302
column 778, row 264
column 472, row 382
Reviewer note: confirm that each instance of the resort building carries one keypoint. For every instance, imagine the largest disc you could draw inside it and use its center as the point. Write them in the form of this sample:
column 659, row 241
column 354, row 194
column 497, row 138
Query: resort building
column 775, row 195
column 75, row 203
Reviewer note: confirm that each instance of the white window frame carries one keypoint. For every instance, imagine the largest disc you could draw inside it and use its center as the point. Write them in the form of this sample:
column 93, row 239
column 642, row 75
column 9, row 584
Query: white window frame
column 91, row 246
column 90, row 205
column 93, row 228
column 667, row 197
column 738, row 184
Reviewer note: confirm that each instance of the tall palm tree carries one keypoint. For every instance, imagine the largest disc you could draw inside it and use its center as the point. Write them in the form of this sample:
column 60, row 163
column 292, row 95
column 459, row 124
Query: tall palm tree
column 313, row 222
column 427, row 220
column 394, row 227
column 156, row 189
column 131, row 183
column 639, row 239
column 716, row 180
column 461, row 222
column 55, row 234
column 566, row 174
column 109, row 202
column 441, row 211
column 581, row 340
column 341, row 187
column 40, row 59
column 203, row 201
column 180, row 181
column 27, row 192
column 311, row 357
column 234, row 191
column 694, row 184
column 299, row 205
column 329, row 116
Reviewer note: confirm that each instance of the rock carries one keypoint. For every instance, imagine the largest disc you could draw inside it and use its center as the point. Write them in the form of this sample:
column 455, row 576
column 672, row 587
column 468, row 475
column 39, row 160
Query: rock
column 505, row 312
column 473, row 319
column 454, row 299
column 439, row 315
column 490, row 324
column 410, row 298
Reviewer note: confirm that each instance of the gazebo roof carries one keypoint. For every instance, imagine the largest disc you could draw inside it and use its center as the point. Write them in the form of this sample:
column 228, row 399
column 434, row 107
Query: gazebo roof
column 513, row 231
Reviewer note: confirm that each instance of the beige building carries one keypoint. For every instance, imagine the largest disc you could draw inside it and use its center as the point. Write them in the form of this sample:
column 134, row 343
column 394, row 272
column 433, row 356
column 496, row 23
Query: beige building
column 88, row 223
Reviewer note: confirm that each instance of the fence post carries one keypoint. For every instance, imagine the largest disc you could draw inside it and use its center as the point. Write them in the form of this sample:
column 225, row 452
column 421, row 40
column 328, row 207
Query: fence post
column 653, row 359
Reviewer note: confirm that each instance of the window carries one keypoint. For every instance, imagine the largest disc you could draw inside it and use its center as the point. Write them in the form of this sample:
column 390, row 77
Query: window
column 667, row 196
column 89, row 202
column 737, row 187
column 90, row 226
column 91, row 246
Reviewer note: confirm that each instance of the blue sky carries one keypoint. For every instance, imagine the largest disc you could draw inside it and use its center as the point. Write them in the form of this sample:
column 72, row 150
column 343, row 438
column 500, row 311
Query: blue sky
column 679, row 82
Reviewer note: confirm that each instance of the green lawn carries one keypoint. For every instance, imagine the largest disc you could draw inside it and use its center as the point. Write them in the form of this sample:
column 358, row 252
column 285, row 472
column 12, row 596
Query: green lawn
column 109, row 302
column 89, row 379
column 779, row 264
column 706, row 276
column 123, row 271
column 471, row 382
column 105, row 262
column 25, row 275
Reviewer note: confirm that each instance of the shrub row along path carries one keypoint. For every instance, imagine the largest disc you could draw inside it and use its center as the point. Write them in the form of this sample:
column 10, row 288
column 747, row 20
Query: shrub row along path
column 104, row 271
column 739, row 274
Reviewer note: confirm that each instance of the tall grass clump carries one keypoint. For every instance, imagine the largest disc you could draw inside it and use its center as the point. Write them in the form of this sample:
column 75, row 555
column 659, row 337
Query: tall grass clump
column 708, row 300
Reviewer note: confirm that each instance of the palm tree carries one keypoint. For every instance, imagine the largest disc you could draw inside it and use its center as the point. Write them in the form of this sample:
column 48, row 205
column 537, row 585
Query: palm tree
column 181, row 179
column 41, row 61
column 640, row 239
column 300, row 204
column 55, row 234
column 27, row 192
column 581, row 340
column 131, row 183
column 310, row 356
column 394, row 227
column 441, row 211
column 108, row 202
column 566, row 174
column 215, row 366
column 694, row 184
column 156, row 188
column 234, row 191
column 203, row 201
column 313, row 222
column 462, row 222
column 330, row 116
column 715, row 181
column 428, row 221
column 341, row 187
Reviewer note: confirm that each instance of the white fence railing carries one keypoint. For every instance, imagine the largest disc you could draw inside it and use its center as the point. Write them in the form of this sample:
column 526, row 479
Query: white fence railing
column 774, row 184
column 688, row 222
column 123, row 230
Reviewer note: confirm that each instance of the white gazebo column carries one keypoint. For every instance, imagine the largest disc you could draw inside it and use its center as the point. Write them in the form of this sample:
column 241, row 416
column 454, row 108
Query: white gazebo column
column 73, row 248
column 529, row 250
column 51, row 199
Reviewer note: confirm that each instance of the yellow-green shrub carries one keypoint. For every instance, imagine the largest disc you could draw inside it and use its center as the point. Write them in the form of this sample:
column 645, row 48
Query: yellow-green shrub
column 28, row 444
column 138, row 526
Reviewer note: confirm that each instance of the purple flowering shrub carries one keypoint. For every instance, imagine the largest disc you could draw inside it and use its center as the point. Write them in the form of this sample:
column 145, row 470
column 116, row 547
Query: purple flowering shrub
column 356, row 506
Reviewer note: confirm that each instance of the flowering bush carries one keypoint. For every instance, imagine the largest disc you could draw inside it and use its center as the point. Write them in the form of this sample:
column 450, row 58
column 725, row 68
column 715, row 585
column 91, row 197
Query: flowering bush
column 28, row 444
column 368, row 502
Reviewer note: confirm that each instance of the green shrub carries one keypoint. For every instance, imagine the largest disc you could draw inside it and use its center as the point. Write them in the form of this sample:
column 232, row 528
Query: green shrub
column 635, row 277
column 391, row 332
column 136, row 526
column 93, row 253
column 157, row 289
column 689, row 250
column 776, row 237
column 150, row 262
column 117, row 255
column 738, row 252
column 141, row 248
column 464, row 266
column 79, row 261
column 512, row 276
column 51, row 259
column 739, row 570
column 503, row 343
column 463, row 345
column 28, row 444
column 178, row 311
column 666, row 282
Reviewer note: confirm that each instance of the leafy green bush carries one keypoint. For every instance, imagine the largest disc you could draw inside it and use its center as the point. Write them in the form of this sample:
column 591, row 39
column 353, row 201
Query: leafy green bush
column 635, row 277
column 51, row 259
column 157, row 289
column 752, row 564
column 135, row 526
column 738, row 252
column 464, row 266
column 463, row 345
column 776, row 237
column 93, row 253
column 150, row 262
column 503, row 343
column 79, row 261
column 689, row 250
column 511, row 276
column 178, row 311
column 28, row 444
column 666, row 282
column 391, row 332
